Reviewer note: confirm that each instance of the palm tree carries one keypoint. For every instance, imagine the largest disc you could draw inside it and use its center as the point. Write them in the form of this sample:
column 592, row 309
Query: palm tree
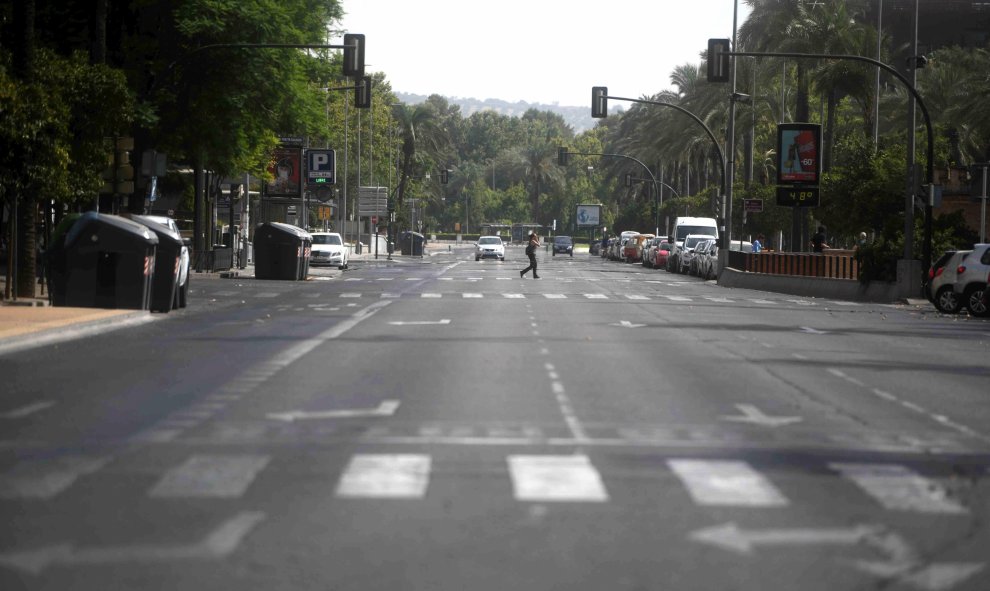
column 537, row 165
column 420, row 136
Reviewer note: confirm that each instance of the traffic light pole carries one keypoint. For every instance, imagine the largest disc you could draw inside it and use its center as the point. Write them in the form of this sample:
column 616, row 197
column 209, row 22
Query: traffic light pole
column 926, row 260
column 718, row 148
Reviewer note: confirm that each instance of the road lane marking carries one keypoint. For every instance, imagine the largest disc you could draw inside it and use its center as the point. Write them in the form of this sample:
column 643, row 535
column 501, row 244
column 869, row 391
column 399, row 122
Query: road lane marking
column 517, row 296
column 392, row 476
column 726, row 483
column 900, row 489
column 387, row 408
column 46, row 478
column 350, row 295
column 596, row 296
column 677, row 298
column 555, row 296
column 210, row 476
column 25, row 411
column 569, row 478
column 221, row 542
column 431, row 295
column 472, row 295
column 637, row 297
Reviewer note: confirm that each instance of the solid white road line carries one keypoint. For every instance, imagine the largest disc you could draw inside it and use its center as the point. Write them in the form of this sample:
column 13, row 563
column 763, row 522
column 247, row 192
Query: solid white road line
column 726, row 483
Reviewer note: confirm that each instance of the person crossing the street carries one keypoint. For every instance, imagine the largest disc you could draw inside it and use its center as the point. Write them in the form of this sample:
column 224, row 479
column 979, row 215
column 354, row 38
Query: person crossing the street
column 534, row 243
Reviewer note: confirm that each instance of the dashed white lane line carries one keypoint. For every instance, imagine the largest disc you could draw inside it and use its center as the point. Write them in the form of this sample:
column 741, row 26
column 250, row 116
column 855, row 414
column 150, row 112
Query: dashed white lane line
column 913, row 407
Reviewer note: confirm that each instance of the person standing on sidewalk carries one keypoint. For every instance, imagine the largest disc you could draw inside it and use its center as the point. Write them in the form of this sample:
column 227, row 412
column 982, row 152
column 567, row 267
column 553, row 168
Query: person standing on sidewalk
column 534, row 243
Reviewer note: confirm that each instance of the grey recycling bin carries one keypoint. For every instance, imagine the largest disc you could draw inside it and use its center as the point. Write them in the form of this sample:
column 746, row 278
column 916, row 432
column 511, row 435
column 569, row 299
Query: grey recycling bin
column 412, row 243
column 101, row 261
column 164, row 284
column 281, row 251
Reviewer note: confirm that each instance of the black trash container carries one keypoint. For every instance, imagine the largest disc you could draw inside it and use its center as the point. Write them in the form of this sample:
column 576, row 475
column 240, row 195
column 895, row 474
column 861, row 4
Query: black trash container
column 102, row 261
column 412, row 243
column 165, row 282
column 281, row 251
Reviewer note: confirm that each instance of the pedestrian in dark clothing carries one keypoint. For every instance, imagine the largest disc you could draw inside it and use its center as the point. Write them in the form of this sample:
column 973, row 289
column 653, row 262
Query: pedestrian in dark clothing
column 818, row 243
column 534, row 243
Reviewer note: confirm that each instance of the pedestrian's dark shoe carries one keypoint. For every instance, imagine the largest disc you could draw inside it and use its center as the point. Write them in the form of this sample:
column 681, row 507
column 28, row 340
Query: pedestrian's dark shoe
column 522, row 274
column 536, row 276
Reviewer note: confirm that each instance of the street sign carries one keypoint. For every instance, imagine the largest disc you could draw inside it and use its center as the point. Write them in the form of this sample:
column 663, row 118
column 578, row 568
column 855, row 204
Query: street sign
column 321, row 167
column 753, row 205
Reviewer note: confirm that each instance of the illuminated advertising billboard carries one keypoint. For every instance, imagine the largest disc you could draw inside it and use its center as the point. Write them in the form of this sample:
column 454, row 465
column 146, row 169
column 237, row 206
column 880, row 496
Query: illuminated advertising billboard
column 589, row 216
column 798, row 153
column 285, row 167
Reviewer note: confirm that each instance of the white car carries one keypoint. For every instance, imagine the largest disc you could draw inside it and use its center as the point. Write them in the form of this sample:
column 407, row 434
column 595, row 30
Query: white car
column 489, row 247
column 685, row 252
column 328, row 249
column 182, row 293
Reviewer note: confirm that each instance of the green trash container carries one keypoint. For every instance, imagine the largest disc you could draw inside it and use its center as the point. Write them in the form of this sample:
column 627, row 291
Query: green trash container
column 281, row 251
column 102, row 261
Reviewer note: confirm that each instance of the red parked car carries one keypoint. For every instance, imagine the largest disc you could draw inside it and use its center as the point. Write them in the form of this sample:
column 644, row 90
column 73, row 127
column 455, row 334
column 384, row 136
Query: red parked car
column 660, row 255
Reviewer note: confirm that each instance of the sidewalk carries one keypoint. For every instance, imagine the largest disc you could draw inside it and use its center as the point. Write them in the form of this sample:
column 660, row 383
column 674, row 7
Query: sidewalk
column 25, row 321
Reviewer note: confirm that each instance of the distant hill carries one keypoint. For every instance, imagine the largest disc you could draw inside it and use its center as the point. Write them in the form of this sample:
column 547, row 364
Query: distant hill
column 578, row 118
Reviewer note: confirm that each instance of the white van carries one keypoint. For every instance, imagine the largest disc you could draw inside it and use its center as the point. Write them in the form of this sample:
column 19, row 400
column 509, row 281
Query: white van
column 687, row 225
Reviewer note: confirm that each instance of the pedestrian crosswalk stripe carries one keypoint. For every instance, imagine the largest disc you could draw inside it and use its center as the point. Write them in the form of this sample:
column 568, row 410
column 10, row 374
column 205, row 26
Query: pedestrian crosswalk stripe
column 718, row 300
column 394, row 476
column 555, row 296
column 214, row 476
column 517, row 296
column 761, row 301
column 726, row 483
column 637, row 297
column 350, row 295
column 473, row 295
column 898, row 488
column 556, row 478
column 432, row 295
column 46, row 478
column 389, row 296
column 677, row 298
column 596, row 296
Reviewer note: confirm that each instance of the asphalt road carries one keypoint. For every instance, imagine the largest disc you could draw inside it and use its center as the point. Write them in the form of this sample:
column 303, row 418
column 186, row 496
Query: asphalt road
column 442, row 424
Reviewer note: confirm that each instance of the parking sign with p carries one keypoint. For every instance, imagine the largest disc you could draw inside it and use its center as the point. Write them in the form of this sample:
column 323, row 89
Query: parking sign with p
column 321, row 167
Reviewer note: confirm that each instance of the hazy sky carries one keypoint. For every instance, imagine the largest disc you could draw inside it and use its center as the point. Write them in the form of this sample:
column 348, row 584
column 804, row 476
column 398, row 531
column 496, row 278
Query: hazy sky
column 538, row 51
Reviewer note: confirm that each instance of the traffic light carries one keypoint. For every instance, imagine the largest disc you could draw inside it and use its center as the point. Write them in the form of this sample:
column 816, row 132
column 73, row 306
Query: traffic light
column 119, row 174
column 599, row 102
column 562, row 156
column 362, row 93
column 444, row 176
column 718, row 60
column 354, row 55
column 628, row 179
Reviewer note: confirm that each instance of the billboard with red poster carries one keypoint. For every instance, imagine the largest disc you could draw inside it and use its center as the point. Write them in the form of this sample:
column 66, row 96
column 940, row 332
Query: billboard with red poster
column 798, row 153
column 285, row 168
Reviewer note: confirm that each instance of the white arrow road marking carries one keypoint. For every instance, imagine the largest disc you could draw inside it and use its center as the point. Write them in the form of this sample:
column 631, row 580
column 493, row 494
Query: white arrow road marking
column 809, row 330
column 627, row 324
column 385, row 409
column 730, row 537
column 220, row 543
column 902, row 564
column 751, row 414
column 24, row 411
column 419, row 322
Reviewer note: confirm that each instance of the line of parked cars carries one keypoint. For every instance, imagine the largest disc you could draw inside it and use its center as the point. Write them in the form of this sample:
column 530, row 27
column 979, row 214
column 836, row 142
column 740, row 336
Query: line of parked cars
column 958, row 279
